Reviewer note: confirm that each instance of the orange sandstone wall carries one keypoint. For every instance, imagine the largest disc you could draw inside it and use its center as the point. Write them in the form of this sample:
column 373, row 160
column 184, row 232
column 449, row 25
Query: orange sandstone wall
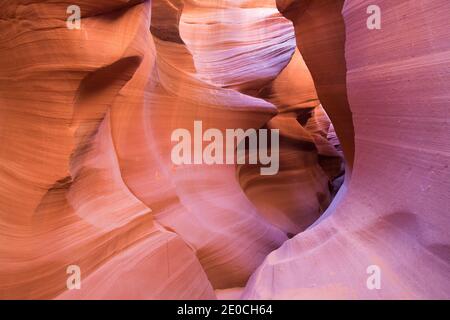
column 86, row 176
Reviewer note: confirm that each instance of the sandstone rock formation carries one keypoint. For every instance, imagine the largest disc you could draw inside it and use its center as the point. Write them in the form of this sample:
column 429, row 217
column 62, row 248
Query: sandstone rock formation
column 64, row 201
column 394, row 211
column 87, row 179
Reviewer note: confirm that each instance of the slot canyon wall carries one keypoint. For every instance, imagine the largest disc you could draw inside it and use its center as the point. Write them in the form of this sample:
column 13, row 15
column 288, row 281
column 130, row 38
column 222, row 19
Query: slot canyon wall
column 87, row 179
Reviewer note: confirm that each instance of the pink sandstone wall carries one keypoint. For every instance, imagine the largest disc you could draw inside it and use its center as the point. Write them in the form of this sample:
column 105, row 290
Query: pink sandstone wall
column 86, row 176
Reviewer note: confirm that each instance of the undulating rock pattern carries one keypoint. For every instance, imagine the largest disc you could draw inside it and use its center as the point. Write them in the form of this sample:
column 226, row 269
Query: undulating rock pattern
column 64, row 201
column 393, row 212
column 319, row 29
column 87, row 177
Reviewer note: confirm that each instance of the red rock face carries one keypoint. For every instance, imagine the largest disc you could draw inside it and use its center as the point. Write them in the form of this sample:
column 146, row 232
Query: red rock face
column 394, row 211
column 87, row 178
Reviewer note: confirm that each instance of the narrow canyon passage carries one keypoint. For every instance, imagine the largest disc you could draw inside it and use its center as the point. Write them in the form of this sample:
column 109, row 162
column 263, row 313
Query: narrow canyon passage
column 236, row 75
column 90, row 119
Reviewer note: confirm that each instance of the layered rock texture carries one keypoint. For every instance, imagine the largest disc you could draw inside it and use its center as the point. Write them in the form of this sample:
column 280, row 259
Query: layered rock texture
column 394, row 210
column 87, row 178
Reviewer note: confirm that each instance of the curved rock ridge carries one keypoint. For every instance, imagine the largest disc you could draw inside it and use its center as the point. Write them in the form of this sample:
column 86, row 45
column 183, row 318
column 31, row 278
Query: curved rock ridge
column 63, row 200
column 234, row 46
column 295, row 197
column 93, row 159
column 320, row 33
column 87, row 179
column 257, row 57
column 393, row 214
column 203, row 204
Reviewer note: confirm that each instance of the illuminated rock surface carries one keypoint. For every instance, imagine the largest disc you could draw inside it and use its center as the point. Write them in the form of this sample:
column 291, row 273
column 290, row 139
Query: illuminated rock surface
column 393, row 213
column 86, row 176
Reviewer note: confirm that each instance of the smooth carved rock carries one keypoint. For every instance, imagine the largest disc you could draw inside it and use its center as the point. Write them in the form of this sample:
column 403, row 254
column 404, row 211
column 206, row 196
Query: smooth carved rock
column 63, row 200
column 320, row 33
column 86, row 176
column 393, row 213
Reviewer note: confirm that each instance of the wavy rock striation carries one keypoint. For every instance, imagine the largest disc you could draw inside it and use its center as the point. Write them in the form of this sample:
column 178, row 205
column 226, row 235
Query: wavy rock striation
column 64, row 201
column 393, row 212
column 87, row 179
